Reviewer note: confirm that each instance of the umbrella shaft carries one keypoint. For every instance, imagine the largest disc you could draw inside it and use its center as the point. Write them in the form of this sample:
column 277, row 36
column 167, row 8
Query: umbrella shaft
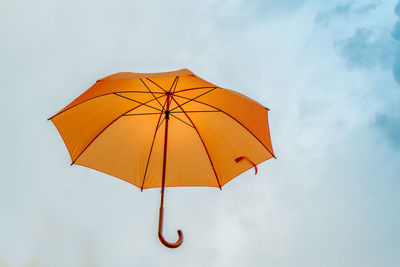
column 165, row 152
column 161, row 217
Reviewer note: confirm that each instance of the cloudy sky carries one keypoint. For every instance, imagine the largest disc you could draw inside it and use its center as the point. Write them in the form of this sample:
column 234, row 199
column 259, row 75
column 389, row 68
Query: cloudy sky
column 328, row 70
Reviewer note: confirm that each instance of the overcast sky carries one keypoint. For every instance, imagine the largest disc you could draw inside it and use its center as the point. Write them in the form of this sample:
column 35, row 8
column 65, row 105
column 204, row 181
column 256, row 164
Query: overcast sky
column 328, row 70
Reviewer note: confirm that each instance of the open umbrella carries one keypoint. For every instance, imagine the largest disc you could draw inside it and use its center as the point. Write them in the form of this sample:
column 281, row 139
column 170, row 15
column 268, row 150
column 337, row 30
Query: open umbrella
column 165, row 129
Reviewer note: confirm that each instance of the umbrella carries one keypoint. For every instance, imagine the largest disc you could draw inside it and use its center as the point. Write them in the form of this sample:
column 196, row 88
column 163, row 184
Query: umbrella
column 163, row 130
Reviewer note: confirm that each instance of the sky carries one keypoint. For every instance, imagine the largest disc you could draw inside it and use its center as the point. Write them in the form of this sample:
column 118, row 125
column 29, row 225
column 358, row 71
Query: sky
column 328, row 70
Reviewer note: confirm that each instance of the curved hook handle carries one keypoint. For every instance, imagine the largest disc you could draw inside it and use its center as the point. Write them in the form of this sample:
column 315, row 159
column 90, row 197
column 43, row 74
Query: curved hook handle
column 171, row 245
column 160, row 236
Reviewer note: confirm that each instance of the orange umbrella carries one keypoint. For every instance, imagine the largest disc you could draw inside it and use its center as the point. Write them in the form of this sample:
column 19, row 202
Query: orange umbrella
column 165, row 129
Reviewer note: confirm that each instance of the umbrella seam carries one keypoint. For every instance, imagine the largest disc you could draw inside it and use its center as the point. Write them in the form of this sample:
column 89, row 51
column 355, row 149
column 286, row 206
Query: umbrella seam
column 161, row 123
column 181, row 120
column 191, row 99
column 105, row 128
column 87, row 100
column 152, row 144
column 156, row 130
column 234, row 120
column 150, row 91
column 177, row 79
column 144, row 104
column 195, row 88
column 154, row 113
column 156, row 85
column 195, row 111
column 201, row 139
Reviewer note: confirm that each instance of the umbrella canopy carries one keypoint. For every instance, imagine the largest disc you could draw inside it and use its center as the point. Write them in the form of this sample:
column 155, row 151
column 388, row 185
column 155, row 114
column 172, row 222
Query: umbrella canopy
column 165, row 129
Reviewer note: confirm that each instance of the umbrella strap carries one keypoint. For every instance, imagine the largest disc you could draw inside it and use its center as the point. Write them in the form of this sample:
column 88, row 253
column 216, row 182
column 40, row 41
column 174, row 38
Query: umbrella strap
column 246, row 158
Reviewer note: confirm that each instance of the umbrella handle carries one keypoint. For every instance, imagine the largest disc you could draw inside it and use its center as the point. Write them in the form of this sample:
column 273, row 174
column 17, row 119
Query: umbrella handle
column 160, row 236
column 160, row 219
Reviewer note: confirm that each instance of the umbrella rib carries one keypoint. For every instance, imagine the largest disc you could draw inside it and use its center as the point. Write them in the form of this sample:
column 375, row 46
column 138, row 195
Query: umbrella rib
column 234, row 120
column 195, row 111
column 176, row 79
column 181, row 120
column 161, row 123
column 138, row 101
column 150, row 91
column 156, row 84
column 152, row 144
column 194, row 88
column 105, row 128
column 59, row 113
column 201, row 139
column 151, row 113
column 192, row 99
